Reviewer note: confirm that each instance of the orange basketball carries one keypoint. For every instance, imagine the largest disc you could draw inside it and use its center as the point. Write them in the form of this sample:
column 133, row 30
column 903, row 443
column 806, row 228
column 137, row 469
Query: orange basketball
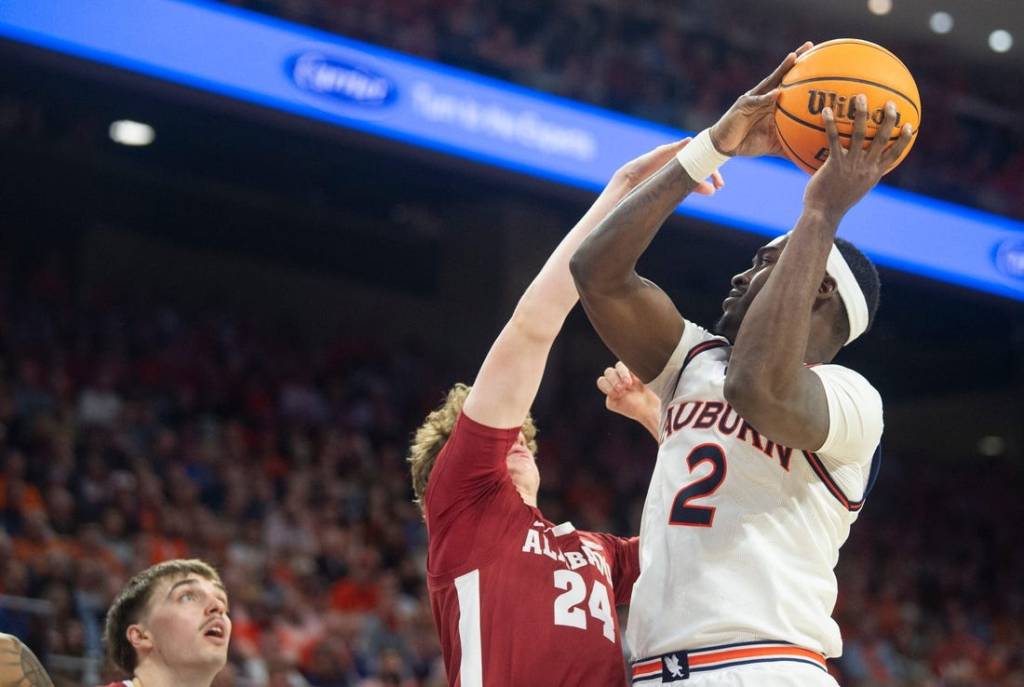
column 830, row 75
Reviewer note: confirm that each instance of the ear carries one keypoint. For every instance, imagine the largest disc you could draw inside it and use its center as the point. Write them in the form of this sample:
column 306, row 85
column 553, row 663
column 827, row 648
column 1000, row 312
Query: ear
column 139, row 637
column 827, row 288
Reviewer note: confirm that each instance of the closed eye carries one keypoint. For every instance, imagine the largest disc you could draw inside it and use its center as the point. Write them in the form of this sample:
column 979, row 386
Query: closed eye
column 764, row 257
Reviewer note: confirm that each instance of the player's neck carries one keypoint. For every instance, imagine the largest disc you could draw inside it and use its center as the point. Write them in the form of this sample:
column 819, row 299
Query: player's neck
column 152, row 674
column 528, row 497
column 820, row 349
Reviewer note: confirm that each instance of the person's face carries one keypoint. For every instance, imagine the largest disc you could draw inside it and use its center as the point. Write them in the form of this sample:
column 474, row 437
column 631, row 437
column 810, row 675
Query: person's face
column 522, row 468
column 187, row 627
column 745, row 286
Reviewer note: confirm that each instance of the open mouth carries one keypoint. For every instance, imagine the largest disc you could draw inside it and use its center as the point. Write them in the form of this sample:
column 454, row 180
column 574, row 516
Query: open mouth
column 217, row 630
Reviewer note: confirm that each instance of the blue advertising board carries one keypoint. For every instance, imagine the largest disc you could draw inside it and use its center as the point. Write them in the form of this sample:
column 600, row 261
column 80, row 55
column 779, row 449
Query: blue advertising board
column 296, row 69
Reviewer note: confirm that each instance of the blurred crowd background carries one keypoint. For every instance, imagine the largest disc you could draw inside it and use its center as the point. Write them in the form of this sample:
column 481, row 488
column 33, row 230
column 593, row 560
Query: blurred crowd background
column 219, row 347
column 684, row 63
column 131, row 434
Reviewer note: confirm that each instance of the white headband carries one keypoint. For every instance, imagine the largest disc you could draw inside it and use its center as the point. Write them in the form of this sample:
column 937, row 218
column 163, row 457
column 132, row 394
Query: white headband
column 847, row 286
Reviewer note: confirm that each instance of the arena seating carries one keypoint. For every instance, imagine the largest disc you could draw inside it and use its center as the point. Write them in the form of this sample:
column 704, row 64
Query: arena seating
column 129, row 435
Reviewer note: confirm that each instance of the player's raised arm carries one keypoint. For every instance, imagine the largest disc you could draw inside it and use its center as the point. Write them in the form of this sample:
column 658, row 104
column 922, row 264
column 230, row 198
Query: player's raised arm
column 507, row 382
column 767, row 382
column 619, row 302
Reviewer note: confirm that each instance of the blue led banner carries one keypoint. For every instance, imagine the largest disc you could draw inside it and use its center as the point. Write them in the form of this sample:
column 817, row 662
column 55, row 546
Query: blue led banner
column 313, row 74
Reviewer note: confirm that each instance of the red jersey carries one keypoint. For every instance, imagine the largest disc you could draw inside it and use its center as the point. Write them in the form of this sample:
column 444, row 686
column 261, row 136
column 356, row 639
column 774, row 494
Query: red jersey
column 517, row 601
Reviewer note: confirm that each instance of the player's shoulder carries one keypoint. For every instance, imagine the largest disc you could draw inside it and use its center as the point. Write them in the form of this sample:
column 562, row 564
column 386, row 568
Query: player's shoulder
column 696, row 343
column 467, row 426
column 835, row 375
column 699, row 343
column 469, row 436
column 694, row 335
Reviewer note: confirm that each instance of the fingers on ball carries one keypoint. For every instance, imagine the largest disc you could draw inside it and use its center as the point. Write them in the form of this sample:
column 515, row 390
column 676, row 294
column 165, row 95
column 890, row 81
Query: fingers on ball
column 884, row 132
column 831, row 131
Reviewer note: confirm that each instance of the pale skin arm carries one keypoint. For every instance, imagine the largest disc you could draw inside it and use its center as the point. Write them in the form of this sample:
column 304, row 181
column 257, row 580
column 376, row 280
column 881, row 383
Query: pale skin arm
column 19, row 667
column 507, row 382
column 767, row 382
column 626, row 395
column 632, row 315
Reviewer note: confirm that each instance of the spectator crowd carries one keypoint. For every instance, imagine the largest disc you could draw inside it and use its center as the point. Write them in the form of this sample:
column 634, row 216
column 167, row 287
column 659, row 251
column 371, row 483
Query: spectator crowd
column 130, row 435
column 683, row 64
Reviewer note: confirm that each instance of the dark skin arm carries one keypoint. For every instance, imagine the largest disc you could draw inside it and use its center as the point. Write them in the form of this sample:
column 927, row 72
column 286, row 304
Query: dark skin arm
column 634, row 317
column 619, row 302
column 767, row 382
column 19, row 667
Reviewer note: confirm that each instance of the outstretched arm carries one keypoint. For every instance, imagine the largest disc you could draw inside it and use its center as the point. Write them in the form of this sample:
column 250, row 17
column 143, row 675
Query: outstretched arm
column 634, row 317
column 767, row 382
column 509, row 378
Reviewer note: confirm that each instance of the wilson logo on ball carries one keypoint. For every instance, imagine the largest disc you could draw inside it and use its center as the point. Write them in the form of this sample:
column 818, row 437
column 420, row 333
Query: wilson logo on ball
column 833, row 74
column 842, row 107
column 317, row 73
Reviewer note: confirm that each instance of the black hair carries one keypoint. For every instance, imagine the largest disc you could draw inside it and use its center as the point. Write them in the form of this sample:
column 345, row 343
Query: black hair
column 866, row 275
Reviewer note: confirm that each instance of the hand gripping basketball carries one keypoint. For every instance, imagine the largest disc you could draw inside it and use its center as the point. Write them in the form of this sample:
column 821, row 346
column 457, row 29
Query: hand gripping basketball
column 748, row 127
column 848, row 174
column 831, row 74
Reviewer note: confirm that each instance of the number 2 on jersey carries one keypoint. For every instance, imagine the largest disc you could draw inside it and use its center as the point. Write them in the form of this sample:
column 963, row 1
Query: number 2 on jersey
column 683, row 511
column 566, row 612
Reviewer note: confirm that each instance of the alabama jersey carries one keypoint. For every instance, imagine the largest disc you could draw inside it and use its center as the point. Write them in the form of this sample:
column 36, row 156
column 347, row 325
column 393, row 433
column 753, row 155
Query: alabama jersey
column 739, row 535
column 517, row 600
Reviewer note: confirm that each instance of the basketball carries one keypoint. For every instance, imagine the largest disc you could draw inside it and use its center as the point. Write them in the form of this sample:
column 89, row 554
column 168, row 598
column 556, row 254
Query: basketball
column 830, row 75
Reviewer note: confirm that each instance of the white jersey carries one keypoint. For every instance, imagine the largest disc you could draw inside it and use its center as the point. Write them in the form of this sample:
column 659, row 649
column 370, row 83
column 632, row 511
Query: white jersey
column 740, row 536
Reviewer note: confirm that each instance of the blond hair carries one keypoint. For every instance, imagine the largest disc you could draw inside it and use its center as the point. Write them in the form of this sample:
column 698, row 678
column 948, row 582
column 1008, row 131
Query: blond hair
column 432, row 435
column 130, row 605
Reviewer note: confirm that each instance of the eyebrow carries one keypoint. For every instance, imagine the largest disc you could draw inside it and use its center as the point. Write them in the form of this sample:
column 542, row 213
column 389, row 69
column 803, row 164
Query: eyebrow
column 192, row 580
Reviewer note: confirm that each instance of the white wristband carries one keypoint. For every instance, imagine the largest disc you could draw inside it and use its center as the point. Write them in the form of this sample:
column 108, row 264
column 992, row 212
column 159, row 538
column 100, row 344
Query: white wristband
column 699, row 158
